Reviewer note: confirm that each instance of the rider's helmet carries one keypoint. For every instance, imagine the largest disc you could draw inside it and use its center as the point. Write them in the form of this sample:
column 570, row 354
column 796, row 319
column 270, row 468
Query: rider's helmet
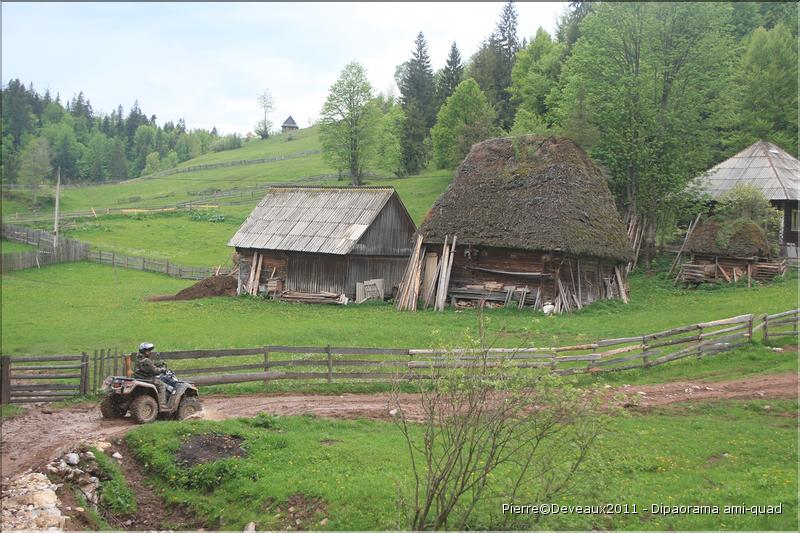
column 146, row 347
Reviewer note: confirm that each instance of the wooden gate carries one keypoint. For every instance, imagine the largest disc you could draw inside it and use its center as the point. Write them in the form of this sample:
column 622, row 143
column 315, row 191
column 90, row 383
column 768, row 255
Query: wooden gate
column 46, row 378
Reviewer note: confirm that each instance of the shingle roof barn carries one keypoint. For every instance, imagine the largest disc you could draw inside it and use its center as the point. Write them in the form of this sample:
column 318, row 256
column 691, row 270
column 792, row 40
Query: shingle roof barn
column 289, row 123
column 763, row 165
column 314, row 220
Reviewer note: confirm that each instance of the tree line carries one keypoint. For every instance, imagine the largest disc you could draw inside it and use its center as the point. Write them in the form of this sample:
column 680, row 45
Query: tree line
column 657, row 92
column 41, row 134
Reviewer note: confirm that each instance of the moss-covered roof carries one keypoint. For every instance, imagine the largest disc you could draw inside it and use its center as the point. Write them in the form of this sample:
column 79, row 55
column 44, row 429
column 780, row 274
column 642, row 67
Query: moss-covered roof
column 530, row 193
column 740, row 239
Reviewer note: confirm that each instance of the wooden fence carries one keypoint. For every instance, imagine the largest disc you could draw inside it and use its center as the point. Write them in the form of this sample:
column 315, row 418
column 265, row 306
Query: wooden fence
column 780, row 324
column 153, row 265
column 22, row 379
column 328, row 363
column 48, row 252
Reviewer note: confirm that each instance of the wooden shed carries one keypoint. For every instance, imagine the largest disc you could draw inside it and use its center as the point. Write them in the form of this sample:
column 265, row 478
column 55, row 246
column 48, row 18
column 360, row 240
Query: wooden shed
column 319, row 240
column 289, row 125
column 720, row 254
column 534, row 222
column 775, row 173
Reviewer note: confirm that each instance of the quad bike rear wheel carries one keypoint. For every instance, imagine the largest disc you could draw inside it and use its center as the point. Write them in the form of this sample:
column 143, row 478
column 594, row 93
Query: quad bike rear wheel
column 110, row 408
column 189, row 405
column 144, row 409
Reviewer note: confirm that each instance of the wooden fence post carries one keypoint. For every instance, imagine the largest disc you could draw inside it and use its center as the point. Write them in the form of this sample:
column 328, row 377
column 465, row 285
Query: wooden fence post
column 750, row 328
column 266, row 365
column 116, row 361
column 94, row 373
column 101, row 374
column 84, row 373
column 330, row 363
column 5, row 379
column 128, row 366
column 766, row 328
column 646, row 358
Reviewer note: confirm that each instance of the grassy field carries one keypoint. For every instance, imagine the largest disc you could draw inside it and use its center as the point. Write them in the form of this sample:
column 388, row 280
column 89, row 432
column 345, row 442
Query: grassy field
column 73, row 307
column 10, row 247
column 714, row 454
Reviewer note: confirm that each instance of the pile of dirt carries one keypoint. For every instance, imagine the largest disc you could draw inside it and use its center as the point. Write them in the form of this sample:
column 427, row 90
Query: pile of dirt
column 205, row 288
column 206, row 448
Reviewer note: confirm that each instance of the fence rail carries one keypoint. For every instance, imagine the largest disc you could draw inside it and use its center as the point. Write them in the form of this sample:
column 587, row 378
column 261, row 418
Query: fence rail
column 328, row 363
column 154, row 265
column 47, row 252
column 71, row 250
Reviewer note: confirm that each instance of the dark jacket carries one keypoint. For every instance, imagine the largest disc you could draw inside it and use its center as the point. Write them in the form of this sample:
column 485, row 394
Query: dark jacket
column 148, row 367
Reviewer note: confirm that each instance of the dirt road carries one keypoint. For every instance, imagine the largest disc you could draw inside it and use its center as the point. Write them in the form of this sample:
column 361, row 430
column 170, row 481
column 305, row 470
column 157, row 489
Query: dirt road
column 32, row 439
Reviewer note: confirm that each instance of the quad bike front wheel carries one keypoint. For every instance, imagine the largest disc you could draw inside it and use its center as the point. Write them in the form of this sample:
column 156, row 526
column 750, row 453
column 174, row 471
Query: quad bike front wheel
column 189, row 405
column 144, row 409
column 110, row 408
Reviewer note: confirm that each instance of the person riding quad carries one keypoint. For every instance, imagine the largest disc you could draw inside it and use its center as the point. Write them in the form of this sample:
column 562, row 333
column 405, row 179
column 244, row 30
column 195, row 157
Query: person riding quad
column 152, row 369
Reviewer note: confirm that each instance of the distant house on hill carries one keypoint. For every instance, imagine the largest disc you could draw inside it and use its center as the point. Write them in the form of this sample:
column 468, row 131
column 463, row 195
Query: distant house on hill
column 326, row 240
column 773, row 171
column 534, row 221
column 289, row 125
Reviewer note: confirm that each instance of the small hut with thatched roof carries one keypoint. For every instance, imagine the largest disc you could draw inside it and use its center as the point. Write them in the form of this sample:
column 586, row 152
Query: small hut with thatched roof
column 729, row 252
column 533, row 222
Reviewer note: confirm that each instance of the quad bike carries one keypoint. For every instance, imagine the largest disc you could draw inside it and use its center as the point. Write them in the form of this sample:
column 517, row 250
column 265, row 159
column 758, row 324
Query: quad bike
column 144, row 402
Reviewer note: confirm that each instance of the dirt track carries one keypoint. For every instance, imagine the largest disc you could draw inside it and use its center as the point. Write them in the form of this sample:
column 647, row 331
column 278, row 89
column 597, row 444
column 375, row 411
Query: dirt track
column 32, row 439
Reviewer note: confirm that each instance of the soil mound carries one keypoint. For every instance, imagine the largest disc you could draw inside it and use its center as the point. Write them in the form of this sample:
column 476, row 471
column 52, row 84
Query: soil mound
column 205, row 288
column 206, row 448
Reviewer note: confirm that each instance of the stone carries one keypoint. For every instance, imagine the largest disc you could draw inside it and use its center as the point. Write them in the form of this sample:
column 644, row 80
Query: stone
column 72, row 459
column 392, row 412
column 128, row 522
column 640, row 393
column 45, row 498
column 323, row 522
column 250, row 527
column 117, row 455
column 102, row 445
column 777, row 350
column 88, row 455
column 767, row 408
column 298, row 521
column 80, row 510
column 291, row 509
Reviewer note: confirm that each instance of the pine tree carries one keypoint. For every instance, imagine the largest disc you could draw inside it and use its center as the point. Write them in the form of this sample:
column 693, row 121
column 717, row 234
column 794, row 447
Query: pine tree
column 413, row 145
column 417, row 83
column 451, row 75
column 493, row 62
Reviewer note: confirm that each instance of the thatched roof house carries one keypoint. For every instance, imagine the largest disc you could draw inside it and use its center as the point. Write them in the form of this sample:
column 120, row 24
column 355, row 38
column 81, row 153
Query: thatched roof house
column 774, row 172
column 320, row 239
column 531, row 212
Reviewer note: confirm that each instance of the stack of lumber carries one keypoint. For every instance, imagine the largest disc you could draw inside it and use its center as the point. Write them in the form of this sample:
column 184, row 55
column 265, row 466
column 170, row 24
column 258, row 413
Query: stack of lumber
column 408, row 290
column 698, row 273
column 766, row 271
column 495, row 294
column 314, row 297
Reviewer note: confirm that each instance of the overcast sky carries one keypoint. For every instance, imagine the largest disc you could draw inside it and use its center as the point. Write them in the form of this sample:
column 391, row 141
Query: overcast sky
column 208, row 62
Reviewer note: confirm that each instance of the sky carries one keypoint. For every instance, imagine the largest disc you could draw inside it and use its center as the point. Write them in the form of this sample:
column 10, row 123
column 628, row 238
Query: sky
column 208, row 62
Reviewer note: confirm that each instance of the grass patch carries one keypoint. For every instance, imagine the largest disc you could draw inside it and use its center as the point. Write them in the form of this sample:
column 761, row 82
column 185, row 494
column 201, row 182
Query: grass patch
column 720, row 454
column 96, row 520
column 11, row 247
column 115, row 494
column 73, row 307
column 9, row 410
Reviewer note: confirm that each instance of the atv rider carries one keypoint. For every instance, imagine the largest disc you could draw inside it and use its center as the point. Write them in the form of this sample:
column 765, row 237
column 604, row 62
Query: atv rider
column 152, row 369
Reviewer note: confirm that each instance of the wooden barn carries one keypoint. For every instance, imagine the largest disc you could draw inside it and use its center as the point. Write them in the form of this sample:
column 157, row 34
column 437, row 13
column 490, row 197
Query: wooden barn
column 716, row 258
column 323, row 241
column 289, row 125
column 534, row 223
column 771, row 170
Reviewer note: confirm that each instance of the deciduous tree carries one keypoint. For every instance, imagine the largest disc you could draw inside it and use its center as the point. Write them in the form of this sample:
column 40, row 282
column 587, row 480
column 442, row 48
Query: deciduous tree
column 464, row 119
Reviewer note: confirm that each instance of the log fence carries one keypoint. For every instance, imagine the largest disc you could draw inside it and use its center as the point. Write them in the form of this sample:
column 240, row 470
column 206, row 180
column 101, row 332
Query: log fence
column 75, row 375
column 153, row 265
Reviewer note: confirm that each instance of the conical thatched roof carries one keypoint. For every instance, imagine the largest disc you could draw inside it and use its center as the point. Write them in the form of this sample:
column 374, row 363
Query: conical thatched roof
column 746, row 240
column 530, row 193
